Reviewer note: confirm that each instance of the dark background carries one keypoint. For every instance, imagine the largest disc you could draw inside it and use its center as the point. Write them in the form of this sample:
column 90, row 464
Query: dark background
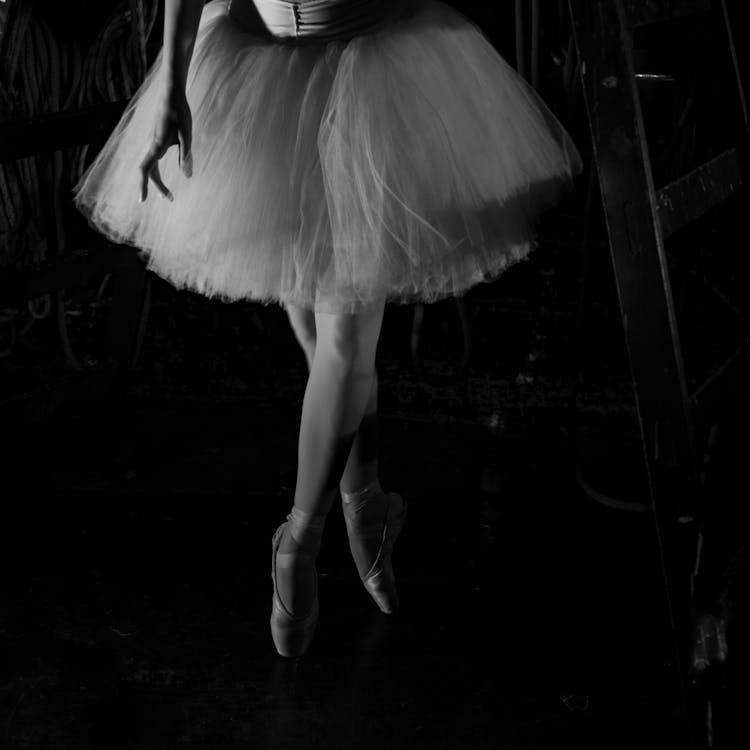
column 135, row 563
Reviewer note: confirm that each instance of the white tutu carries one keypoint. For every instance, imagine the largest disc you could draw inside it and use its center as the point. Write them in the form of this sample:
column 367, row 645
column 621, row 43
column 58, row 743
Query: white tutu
column 407, row 162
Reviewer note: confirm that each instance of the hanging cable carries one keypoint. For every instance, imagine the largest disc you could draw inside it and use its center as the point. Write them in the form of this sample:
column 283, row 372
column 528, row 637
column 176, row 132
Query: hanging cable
column 142, row 321
column 62, row 327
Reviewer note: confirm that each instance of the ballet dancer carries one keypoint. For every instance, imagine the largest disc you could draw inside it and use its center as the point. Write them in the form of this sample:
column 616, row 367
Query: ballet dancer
column 331, row 156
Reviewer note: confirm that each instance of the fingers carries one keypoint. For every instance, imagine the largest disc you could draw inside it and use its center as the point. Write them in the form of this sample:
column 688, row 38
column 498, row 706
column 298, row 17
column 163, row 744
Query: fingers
column 185, row 152
column 149, row 169
column 155, row 175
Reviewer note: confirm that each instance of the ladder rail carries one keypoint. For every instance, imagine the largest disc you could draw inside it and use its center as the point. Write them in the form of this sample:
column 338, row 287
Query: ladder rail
column 639, row 217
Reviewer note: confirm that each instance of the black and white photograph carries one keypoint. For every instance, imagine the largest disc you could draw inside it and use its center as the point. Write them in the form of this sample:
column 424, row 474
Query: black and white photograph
column 374, row 375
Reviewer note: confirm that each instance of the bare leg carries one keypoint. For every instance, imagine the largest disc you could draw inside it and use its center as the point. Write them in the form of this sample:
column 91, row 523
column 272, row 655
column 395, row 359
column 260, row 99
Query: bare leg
column 362, row 465
column 337, row 394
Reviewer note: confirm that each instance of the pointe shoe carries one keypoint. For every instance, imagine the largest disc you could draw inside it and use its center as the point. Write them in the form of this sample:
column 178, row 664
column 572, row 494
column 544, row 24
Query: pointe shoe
column 379, row 580
column 292, row 634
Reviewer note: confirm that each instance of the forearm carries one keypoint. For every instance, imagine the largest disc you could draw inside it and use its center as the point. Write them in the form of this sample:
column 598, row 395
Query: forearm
column 181, row 19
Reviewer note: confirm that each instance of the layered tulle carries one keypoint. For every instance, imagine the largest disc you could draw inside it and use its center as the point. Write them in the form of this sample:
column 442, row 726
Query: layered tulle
column 408, row 163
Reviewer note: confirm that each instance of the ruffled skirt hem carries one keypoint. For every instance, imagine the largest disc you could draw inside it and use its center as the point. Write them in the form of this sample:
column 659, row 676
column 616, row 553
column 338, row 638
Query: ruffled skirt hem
column 407, row 164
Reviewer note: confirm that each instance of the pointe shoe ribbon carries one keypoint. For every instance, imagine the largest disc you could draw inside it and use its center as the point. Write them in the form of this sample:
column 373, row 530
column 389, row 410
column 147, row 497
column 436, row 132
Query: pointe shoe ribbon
column 292, row 634
column 379, row 579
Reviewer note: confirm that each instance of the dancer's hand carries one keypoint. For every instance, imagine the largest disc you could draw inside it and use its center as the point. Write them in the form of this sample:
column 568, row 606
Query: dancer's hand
column 173, row 125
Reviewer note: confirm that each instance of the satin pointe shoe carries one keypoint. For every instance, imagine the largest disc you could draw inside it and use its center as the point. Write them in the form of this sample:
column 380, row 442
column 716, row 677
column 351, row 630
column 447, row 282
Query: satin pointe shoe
column 293, row 633
column 378, row 577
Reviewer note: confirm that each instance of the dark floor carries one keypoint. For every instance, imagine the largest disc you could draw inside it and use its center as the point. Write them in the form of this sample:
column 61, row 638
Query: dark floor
column 136, row 590
column 136, row 597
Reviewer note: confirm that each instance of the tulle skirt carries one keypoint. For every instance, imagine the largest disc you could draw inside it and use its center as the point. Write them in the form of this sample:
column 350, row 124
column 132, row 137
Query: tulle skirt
column 406, row 163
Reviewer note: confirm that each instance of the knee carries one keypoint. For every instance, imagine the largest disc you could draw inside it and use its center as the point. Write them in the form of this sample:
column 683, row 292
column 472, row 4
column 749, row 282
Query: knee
column 347, row 343
column 351, row 339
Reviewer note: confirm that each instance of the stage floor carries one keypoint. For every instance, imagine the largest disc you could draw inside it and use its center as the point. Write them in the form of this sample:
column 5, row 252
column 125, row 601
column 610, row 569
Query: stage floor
column 136, row 592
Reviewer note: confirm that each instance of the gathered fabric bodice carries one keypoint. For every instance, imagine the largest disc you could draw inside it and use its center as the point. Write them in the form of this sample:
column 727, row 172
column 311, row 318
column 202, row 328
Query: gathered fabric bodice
column 314, row 20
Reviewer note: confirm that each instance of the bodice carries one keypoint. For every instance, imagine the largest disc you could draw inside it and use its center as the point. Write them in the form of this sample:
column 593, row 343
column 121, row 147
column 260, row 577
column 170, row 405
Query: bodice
column 313, row 20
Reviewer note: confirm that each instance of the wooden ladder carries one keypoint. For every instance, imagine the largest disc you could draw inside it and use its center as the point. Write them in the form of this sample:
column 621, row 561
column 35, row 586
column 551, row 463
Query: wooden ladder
column 639, row 217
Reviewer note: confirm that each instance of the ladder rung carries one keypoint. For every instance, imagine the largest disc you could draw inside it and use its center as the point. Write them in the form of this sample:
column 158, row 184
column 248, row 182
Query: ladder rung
column 72, row 269
column 693, row 194
column 640, row 13
column 57, row 130
column 710, row 396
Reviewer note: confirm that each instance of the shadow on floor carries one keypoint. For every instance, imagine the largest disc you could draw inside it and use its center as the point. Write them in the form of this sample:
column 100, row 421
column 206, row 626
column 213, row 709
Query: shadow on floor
column 136, row 596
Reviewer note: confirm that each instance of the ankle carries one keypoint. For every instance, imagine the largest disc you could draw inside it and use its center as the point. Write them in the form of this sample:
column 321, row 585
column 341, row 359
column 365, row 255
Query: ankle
column 355, row 501
column 363, row 493
column 304, row 531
